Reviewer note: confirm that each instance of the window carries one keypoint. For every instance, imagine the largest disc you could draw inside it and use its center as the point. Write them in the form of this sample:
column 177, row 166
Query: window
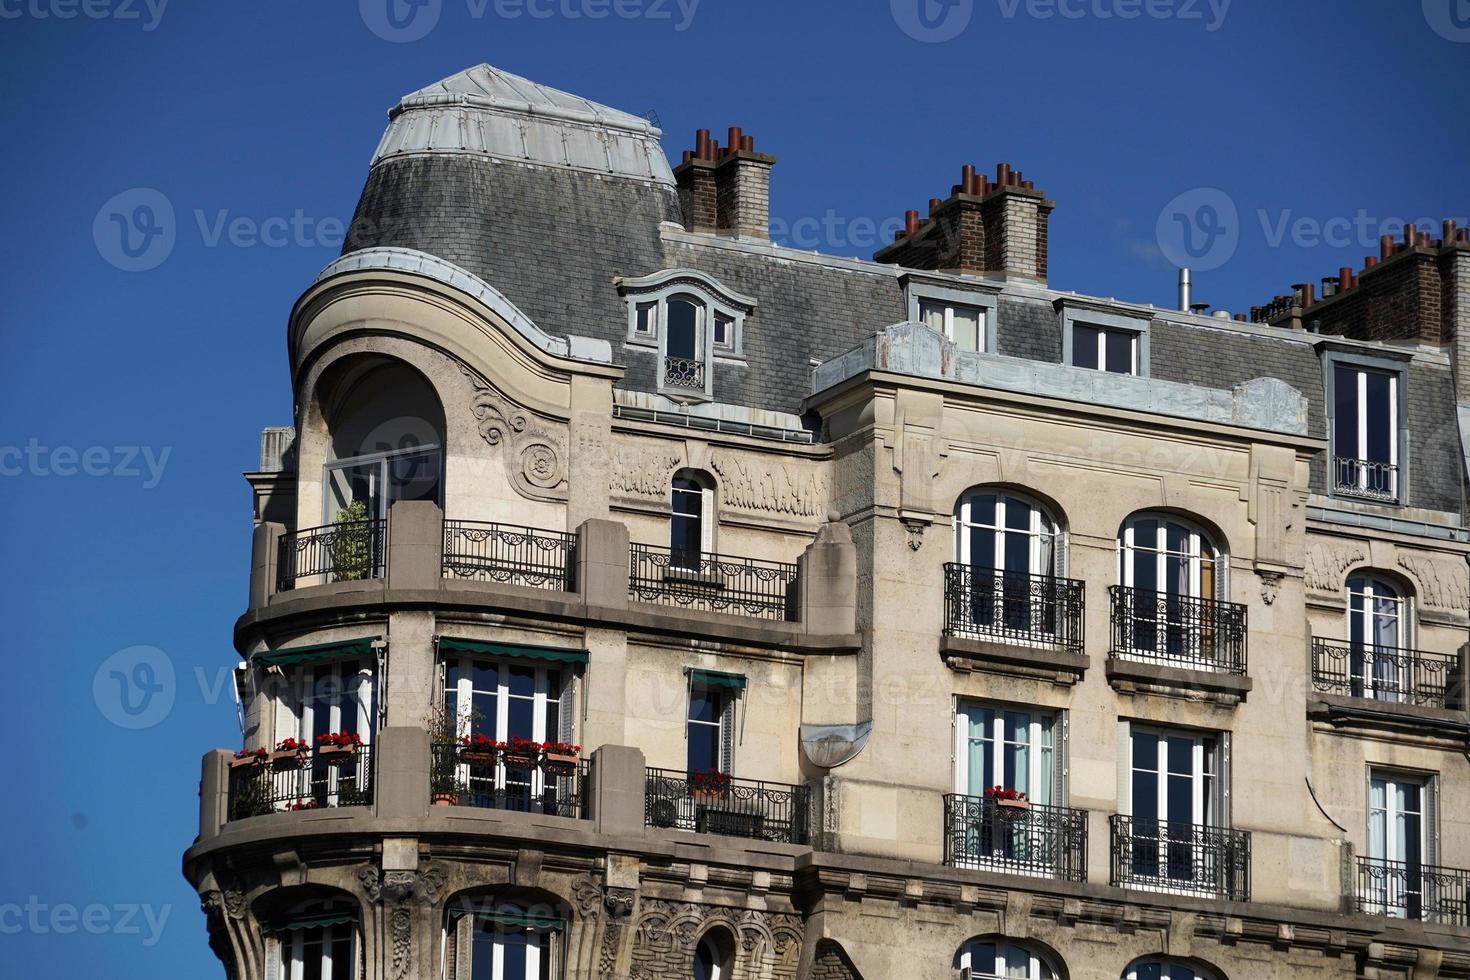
column 1163, row 970
column 691, row 321
column 317, row 942
column 502, row 700
column 503, row 941
column 1376, row 632
column 710, row 728
column 724, row 331
column 691, row 523
column 1172, row 576
column 1365, row 442
column 962, row 324
column 387, row 442
column 1175, row 785
column 1104, row 348
column 645, row 319
column 712, row 957
column 1400, row 843
column 329, row 697
column 1016, row 748
column 1005, row 532
column 1001, row 959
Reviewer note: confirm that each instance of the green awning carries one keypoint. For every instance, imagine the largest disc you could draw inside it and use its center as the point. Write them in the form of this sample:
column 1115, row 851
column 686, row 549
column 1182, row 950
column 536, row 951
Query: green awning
column 526, row 651
column 714, row 678
column 319, row 921
column 340, row 650
column 509, row 917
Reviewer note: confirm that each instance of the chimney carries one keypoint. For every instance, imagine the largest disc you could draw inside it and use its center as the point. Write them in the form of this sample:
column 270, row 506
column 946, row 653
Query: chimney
column 997, row 229
column 696, row 179
column 743, row 188
column 1183, row 290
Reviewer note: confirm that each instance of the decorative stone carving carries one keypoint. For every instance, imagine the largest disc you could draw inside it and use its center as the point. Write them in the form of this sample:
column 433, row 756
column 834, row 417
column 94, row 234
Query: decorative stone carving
column 780, row 488
column 535, row 456
column 769, row 943
column 1328, row 563
column 397, row 890
column 618, row 904
column 643, row 470
column 1442, row 584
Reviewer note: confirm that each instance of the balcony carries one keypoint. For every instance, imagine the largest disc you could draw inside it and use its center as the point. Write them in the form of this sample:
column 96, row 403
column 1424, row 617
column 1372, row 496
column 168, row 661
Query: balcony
column 1013, row 607
column 684, row 373
column 1422, row 892
column 1178, row 631
column 1390, row 674
column 347, row 552
column 717, row 804
column 494, row 784
column 716, row 583
column 487, row 552
column 314, row 783
column 1036, row 841
column 1181, row 858
column 1365, row 479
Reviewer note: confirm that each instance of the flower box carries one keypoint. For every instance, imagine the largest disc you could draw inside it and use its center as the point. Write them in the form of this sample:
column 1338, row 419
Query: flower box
column 1013, row 806
column 1007, row 801
column 709, row 784
column 290, row 754
column 520, row 753
column 560, row 759
column 446, row 799
column 480, row 750
column 249, row 760
column 338, row 748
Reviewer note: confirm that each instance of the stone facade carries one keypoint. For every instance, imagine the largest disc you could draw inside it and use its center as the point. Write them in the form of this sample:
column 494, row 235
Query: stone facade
column 829, row 603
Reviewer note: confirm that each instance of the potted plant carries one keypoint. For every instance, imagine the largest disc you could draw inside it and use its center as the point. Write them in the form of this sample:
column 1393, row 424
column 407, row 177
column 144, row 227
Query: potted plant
column 709, row 784
column 1007, row 800
column 478, row 750
column 560, row 758
column 250, row 758
column 521, row 753
column 338, row 748
column 350, row 546
column 304, row 805
column 291, row 753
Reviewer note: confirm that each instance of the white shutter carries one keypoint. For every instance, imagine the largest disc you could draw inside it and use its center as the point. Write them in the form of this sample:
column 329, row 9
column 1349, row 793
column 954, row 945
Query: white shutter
column 566, row 725
column 1431, row 820
column 1061, row 730
column 727, row 735
column 1226, row 819
column 707, row 520
column 1125, row 768
column 367, row 704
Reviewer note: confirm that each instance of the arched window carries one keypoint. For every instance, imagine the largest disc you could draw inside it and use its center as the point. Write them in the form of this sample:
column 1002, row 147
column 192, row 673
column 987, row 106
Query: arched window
column 1172, row 578
column 986, row 958
column 1377, row 630
column 315, row 941
column 387, row 441
column 1167, row 555
column 714, row 956
column 1008, row 552
column 1164, row 970
column 692, row 524
column 690, row 321
column 488, row 939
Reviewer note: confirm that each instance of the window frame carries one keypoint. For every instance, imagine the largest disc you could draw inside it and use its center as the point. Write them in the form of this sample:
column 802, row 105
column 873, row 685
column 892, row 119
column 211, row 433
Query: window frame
column 1128, row 550
column 1168, row 970
column 379, row 500
column 965, row 782
column 1043, row 524
column 551, row 719
column 647, row 299
column 464, row 936
column 1398, row 430
column 1073, row 316
column 917, row 293
column 724, row 725
column 703, row 487
column 1038, row 966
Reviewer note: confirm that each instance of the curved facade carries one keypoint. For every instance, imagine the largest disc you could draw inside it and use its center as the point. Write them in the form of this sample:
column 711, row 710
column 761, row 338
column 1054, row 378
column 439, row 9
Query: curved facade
column 596, row 632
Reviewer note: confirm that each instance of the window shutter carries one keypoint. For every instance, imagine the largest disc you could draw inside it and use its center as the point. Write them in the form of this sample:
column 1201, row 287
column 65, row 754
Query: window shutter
column 367, row 704
column 1225, row 818
column 1431, row 820
column 464, row 954
column 272, row 958
column 566, row 726
column 1125, row 768
column 1059, row 758
column 707, row 519
column 727, row 736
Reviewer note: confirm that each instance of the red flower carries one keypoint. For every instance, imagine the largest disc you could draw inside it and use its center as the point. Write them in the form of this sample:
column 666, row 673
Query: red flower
column 292, row 745
column 260, row 753
column 1004, row 793
column 340, row 739
column 709, row 779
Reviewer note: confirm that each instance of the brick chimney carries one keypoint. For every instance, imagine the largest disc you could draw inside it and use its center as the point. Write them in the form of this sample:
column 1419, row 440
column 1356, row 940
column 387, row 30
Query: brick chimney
column 997, row 229
column 726, row 189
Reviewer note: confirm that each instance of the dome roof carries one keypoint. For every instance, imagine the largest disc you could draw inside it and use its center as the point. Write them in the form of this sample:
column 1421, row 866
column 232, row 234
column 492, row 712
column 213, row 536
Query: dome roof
column 484, row 111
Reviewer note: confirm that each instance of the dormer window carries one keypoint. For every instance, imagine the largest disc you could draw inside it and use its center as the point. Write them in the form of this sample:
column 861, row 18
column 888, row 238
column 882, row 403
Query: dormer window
column 1365, row 400
column 1112, row 340
column 689, row 321
column 965, row 317
column 963, row 325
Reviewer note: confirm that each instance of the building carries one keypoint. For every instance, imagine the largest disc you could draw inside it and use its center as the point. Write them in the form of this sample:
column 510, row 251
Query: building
column 912, row 616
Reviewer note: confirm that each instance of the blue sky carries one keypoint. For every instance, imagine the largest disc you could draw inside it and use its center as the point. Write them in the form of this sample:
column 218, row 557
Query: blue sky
column 130, row 401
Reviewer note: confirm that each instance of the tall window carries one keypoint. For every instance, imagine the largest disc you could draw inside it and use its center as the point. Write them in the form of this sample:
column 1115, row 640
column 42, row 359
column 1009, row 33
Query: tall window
column 988, row 958
column 326, row 698
column 318, row 942
column 712, row 958
column 710, row 728
column 684, row 344
column 1009, row 747
column 964, row 325
column 507, row 943
column 1398, row 840
column 1163, row 970
column 1105, row 349
column 1376, row 631
column 1173, row 571
column 1174, row 783
column 691, row 525
column 1007, row 542
column 387, row 442
column 503, row 700
column 1365, row 451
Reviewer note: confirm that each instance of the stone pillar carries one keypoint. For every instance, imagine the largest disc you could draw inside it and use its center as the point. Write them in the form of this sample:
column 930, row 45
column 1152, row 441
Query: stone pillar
column 415, row 545
column 827, row 581
column 618, row 773
column 602, row 563
column 401, row 786
column 1457, row 686
column 1099, row 848
column 265, row 551
column 214, row 792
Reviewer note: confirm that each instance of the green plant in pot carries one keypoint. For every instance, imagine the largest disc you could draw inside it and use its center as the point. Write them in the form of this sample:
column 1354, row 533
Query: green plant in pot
column 444, row 725
column 351, row 547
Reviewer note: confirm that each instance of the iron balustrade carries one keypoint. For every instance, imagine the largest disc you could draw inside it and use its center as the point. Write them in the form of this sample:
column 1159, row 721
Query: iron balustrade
column 684, row 372
column 1178, row 630
column 499, row 786
column 1176, row 857
column 508, row 553
column 1038, row 841
column 1380, row 673
column 1408, row 890
column 1365, row 478
column 322, row 783
column 1013, row 606
column 719, row 583
column 750, row 808
column 346, row 552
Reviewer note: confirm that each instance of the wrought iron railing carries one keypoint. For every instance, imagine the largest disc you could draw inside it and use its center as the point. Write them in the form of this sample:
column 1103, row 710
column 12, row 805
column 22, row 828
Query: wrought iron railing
column 498, row 786
column 683, row 372
column 1380, row 673
column 1013, row 606
column 347, row 552
column 508, row 553
column 1178, row 630
column 1405, row 890
column 321, row 783
column 1365, row 478
column 719, row 583
column 1169, row 856
column 1029, row 839
column 730, row 807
